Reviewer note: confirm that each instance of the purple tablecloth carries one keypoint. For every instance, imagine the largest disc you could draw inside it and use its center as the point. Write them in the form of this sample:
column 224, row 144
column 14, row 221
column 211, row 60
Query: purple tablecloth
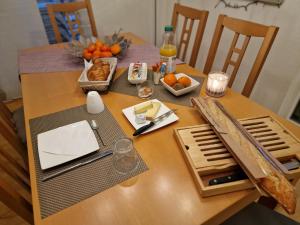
column 57, row 59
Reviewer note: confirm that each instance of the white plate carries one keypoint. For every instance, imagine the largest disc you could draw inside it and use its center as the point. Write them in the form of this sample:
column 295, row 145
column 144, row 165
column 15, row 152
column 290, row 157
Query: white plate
column 139, row 79
column 66, row 143
column 193, row 86
column 129, row 113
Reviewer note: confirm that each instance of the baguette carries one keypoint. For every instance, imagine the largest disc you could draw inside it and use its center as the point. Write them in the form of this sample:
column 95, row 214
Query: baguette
column 274, row 182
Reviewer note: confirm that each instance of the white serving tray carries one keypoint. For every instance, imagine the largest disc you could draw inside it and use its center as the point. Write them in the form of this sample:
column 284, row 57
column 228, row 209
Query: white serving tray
column 139, row 79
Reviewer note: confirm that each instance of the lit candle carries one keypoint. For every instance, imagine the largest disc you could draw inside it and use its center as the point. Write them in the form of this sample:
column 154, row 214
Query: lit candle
column 216, row 84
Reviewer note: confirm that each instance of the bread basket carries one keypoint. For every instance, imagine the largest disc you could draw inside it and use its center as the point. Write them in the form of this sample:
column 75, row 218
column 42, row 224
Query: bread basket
column 101, row 86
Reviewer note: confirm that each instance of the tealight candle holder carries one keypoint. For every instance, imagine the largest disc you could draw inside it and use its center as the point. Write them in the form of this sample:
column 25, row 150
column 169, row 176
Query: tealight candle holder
column 216, row 84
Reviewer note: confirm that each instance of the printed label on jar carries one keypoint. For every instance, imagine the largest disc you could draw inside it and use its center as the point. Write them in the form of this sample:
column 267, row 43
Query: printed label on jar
column 170, row 61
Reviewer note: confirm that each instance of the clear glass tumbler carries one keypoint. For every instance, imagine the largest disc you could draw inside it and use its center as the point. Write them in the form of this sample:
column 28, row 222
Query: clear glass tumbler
column 125, row 158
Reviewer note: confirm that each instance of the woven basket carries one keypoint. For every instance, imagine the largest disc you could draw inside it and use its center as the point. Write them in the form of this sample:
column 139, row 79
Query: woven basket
column 101, row 86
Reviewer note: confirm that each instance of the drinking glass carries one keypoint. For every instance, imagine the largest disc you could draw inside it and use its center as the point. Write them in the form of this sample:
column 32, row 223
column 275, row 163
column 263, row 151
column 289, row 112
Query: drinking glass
column 145, row 89
column 125, row 158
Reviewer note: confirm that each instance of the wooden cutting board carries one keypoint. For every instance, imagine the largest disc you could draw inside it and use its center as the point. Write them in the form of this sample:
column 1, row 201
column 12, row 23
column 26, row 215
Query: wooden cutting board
column 207, row 157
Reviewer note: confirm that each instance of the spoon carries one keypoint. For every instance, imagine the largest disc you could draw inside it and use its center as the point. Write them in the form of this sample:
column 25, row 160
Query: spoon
column 95, row 127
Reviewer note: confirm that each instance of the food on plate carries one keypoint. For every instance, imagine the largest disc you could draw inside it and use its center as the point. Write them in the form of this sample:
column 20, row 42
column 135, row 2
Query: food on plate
column 152, row 112
column 136, row 71
column 178, row 86
column 185, row 81
column 99, row 71
column 115, row 49
column 170, row 79
column 140, row 118
column 142, row 107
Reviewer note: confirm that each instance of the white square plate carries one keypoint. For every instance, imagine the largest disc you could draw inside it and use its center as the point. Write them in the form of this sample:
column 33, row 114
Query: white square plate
column 129, row 113
column 193, row 86
column 66, row 143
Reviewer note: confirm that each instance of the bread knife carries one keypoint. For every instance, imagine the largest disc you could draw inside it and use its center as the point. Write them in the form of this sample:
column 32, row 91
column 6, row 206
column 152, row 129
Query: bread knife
column 240, row 175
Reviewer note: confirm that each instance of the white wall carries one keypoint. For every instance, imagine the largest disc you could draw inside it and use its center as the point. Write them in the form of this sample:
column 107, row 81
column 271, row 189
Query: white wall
column 136, row 16
column 281, row 66
column 20, row 27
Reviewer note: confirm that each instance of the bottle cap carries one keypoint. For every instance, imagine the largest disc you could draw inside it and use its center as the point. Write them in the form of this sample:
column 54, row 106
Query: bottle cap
column 168, row 28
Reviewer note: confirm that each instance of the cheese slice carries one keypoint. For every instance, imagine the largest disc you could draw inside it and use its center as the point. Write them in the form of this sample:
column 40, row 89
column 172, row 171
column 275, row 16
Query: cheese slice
column 142, row 107
column 151, row 113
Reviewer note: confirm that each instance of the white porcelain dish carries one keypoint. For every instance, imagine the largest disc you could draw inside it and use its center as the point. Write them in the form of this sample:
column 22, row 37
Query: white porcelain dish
column 129, row 113
column 66, row 143
column 183, row 91
column 134, row 79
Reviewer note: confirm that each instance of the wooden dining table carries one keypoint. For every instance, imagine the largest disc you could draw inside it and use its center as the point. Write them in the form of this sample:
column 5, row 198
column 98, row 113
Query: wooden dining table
column 164, row 194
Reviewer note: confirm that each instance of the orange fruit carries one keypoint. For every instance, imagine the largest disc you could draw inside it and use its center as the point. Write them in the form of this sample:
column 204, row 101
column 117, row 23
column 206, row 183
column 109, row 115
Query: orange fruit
column 92, row 47
column 96, row 54
column 170, row 79
column 98, row 44
column 87, row 55
column 104, row 48
column 85, row 51
column 185, row 81
column 115, row 49
column 107, row 54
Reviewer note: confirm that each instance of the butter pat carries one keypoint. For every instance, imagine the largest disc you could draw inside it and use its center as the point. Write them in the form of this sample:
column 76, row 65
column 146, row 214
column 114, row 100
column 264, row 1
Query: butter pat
column 143, row 107
column 151, row 113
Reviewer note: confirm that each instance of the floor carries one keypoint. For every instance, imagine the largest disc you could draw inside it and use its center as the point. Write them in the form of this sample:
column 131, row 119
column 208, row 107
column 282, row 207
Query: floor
column 8, row 217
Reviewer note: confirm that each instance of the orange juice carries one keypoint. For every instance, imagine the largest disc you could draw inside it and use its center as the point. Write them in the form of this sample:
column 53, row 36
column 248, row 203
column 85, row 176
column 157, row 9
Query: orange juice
column 168, row 49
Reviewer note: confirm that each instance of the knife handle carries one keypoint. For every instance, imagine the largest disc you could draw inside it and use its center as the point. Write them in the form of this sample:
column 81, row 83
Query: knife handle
column 229, row 178
column 143, row 129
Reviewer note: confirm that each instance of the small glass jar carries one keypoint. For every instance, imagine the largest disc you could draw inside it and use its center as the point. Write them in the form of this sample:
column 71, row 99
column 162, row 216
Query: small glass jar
column 216, row 84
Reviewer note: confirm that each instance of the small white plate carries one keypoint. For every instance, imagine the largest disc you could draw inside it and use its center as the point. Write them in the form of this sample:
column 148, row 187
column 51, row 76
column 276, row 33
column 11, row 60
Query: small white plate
column 130, row 115
column 137, row 80
column 193, row 86
column 66, row 143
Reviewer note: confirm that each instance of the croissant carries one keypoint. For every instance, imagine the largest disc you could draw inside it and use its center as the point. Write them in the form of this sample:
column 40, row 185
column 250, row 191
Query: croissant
column 99, row 71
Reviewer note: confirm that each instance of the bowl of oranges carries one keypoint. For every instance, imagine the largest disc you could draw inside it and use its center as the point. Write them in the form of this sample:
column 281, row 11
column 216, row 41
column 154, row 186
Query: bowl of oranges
column 179, row 84
column 93, row 48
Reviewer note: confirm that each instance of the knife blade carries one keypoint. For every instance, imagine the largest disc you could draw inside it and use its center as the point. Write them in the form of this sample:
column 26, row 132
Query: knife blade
column 240, row 175
column 153, row 122
column 100, row 156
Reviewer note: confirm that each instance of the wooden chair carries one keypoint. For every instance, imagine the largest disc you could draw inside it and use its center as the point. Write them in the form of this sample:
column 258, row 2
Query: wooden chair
column 192, row 15
column 248, row 29
column 71, row 10
column 15, row 189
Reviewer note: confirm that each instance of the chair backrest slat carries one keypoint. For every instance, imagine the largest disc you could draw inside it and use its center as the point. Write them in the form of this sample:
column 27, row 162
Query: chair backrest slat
column 248, row 29
column 69, row 9
column 190, row 15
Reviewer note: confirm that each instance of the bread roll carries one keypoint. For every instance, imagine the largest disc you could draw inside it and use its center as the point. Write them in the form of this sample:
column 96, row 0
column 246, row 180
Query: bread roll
column 99, row 71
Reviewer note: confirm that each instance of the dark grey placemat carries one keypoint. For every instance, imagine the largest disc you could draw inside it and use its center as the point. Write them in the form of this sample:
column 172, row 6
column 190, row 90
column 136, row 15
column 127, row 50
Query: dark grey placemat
column 121, row 85
column 76, row 185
